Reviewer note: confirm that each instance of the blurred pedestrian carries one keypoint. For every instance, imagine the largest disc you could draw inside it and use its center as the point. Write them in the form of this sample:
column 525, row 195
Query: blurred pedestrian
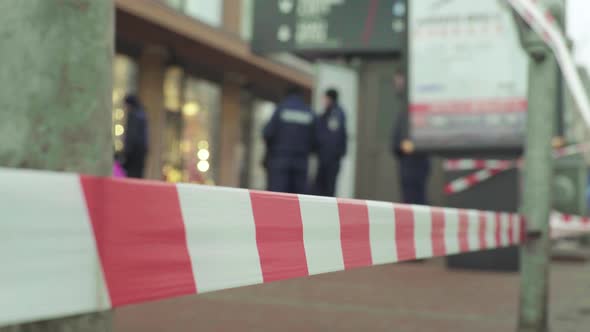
column 331, row 139
column 414, row 167
column 289, row 138
column 118, row 171
column 136, row 138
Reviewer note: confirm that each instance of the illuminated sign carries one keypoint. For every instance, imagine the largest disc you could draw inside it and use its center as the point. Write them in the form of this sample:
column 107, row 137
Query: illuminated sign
column 329, row 26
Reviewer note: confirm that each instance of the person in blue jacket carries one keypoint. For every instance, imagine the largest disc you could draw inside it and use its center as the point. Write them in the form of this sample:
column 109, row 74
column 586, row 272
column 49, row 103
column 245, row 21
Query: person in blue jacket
column 289, row 138
column 331, row 144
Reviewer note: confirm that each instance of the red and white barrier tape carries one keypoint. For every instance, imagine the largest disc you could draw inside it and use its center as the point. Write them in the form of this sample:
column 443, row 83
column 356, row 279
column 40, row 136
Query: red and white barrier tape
column 571, row 150
column 466, row 164
column 543, row 22
column 466, row 182
column 71, row 244
column 492, row 167
column 473, row 164
column 563, row 225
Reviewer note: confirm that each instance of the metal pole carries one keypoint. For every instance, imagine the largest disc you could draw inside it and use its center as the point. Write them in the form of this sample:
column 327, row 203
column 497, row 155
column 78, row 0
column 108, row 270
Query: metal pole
column 55, row 101
column 543, row 90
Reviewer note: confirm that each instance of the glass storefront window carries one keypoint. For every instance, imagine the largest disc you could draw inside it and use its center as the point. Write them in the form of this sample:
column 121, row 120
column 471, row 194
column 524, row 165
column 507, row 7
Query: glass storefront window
column 124, row 82
column 207, row 11
column 202, row 101
column 173, row 89
column 171, row 155
column 246, row 21
column 192, row 110
column 176, row 4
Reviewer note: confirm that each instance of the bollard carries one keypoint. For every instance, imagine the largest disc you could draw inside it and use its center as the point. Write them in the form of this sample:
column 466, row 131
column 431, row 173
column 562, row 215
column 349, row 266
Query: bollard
column 537, row 196
column 538, row 174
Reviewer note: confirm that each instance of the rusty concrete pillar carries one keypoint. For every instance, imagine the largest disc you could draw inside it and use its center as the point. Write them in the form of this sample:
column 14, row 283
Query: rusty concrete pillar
column 55, row 102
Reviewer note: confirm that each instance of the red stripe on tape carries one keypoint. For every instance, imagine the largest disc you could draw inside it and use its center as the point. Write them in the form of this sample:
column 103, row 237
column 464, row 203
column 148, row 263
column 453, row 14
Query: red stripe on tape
column 438, row 232
column 473, row 178
column 498, row 229
column 449, row 189
column 279, row 235
column 404, row 232
column 550, row 18
column 354, row 233
column 463, row 231
column 482, row 230
column 452, row 164
column 141, row 239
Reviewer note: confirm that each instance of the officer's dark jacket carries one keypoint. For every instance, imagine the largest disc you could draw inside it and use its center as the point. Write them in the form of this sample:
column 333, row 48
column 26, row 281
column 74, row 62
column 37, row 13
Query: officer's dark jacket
column 400, row 132
column 412, row 165
column 331, row 135
column 290, row 132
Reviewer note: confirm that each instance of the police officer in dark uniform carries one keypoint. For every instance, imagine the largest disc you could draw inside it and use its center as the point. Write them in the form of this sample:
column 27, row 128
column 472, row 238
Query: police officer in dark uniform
column 414, row 167
column 289, row 138
column 331, row 140
column 136, row 138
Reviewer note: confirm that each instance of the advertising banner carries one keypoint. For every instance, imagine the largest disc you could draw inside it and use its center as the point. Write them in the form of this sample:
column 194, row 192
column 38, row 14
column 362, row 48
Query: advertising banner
column 467, row 75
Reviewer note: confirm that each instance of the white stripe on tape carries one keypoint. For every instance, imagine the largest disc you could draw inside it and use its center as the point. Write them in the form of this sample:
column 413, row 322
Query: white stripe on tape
column 483, row 174
column 505, row 226
column 221, row 236
column 459, row 185
column 48, row 259
column 451, row 231
column 490, row 230
column 321, row 234
column 493, row 163
column 422, row 231
column 382, row 232
column 473, row 230
column 467, row 164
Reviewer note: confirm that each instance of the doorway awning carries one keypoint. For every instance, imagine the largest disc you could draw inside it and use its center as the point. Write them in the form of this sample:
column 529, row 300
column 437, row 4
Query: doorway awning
column 214, row 53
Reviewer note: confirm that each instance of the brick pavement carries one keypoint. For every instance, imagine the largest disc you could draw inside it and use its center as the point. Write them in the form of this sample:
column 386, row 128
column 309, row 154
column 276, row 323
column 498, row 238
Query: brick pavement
column 402, row 297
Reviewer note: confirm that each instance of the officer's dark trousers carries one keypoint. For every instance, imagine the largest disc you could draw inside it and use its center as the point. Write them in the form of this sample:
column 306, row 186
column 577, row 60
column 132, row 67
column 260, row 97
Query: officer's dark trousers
column 287, row 180
column 325, row 181
column 414, row 191
column 414, row 173
column 134, row 167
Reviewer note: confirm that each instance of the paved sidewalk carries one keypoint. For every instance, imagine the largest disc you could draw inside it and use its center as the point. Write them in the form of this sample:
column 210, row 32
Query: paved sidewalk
column 404, row 297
